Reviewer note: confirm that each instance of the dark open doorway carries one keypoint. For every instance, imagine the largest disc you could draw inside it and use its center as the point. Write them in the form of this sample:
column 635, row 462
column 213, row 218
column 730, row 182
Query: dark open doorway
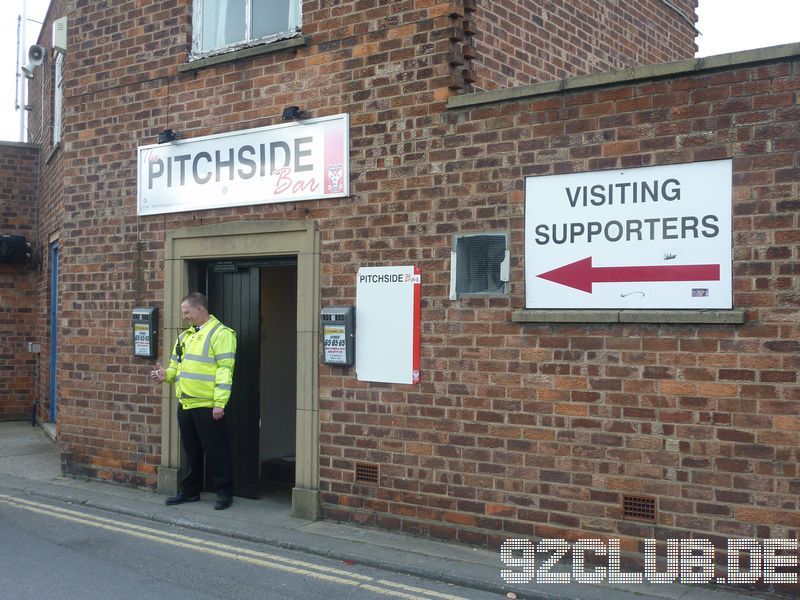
column 258, row 299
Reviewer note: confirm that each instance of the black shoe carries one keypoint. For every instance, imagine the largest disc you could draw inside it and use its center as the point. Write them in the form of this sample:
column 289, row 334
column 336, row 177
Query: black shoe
column 180, row 498
column 223, row 502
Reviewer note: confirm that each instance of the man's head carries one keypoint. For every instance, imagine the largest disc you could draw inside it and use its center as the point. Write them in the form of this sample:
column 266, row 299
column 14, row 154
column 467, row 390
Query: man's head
column 194, row 308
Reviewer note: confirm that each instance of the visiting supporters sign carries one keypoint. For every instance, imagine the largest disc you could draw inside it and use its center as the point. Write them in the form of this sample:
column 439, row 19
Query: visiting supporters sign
column 649, row 237
column 302, row 160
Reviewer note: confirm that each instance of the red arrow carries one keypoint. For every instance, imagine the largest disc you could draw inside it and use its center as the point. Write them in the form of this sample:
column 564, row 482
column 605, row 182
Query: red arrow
column 581, row 274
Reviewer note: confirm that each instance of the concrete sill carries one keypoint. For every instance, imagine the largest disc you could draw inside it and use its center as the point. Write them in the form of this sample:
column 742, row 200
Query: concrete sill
column 735, row 316
column 233, row 56
column 52, row 153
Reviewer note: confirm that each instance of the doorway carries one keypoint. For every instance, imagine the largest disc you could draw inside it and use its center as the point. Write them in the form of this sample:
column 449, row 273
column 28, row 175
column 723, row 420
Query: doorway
column 254, row 242
column 258, row 299
column 53, row 383
column 278, row 398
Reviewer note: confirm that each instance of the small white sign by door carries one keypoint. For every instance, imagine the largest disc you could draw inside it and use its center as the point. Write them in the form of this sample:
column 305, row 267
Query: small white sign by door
column 387, row 324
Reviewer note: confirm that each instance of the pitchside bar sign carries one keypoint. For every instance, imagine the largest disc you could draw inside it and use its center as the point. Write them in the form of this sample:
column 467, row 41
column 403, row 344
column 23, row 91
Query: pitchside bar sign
column 388, row 324
column 650, row 237
column 294, row 161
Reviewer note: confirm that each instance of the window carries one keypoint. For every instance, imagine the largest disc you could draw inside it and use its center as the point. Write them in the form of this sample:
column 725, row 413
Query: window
column 58, row 97
column 480, row 265
column 227, row 24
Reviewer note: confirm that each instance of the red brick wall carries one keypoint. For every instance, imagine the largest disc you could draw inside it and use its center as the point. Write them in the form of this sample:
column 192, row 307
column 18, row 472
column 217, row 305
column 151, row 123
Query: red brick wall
column 540, row 429
column 514, row 429
column 385, row 65
column 18, row 165
column 518, row 42
column 51, row 212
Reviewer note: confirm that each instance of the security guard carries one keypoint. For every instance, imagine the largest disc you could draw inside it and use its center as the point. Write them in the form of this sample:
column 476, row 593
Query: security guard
column 201, row 368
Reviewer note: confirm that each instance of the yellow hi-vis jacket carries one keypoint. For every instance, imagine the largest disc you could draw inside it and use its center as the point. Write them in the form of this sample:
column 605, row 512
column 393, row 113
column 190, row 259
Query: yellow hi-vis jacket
column 201, row 365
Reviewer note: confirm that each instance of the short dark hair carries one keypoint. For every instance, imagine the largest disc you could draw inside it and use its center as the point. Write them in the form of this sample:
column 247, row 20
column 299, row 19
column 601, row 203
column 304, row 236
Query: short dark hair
column 196, row 299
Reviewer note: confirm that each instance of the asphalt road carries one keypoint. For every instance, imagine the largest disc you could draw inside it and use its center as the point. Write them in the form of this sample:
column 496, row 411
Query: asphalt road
column 52, row 550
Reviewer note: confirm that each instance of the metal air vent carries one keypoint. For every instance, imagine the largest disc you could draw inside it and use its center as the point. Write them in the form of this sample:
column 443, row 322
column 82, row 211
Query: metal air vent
column 366, row 473
column 639, row 508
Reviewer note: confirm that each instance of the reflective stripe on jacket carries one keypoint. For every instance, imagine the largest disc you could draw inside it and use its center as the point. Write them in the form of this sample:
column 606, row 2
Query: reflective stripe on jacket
column 204, row 374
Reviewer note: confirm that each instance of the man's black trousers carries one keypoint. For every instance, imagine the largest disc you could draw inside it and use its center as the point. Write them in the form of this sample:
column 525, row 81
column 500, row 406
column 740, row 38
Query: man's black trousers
column 200, row 435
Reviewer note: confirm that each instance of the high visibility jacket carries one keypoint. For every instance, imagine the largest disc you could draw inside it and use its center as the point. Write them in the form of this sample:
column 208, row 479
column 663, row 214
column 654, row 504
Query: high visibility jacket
column 201, row 365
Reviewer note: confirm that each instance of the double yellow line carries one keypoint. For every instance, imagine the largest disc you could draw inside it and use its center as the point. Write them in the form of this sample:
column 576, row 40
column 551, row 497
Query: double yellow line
column 245, row 555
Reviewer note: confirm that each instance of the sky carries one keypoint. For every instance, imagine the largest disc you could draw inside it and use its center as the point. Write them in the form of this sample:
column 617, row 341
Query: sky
column 725, row 26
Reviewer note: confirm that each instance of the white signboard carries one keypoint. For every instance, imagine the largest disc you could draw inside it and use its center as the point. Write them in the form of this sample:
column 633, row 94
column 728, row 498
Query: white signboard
column 334, row 344
column 141, row 339
column 294, row 161
column 387, row 324
column 650, row 237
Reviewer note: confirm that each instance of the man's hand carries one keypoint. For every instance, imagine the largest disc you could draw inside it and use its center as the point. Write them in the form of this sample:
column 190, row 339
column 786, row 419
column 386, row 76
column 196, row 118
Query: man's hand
column 158, row 375
column 218, row 413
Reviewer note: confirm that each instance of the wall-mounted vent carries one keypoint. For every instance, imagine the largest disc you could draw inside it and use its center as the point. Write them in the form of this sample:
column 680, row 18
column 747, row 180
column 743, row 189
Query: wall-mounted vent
column 479, row 264
column 639, row 508
column 366, row 473
column 60, row 34
column 14, row 249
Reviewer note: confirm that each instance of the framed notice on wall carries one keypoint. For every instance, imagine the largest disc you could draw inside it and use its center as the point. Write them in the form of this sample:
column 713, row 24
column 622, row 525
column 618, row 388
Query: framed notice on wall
column 648, row 237
column 387, row 324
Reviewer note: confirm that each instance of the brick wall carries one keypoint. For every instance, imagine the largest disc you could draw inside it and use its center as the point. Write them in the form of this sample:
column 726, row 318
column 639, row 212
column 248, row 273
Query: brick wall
column 540, row 429
column 385, row 65
column 51, row 192
column 518, row 42
column 514, row 429
column 18, row 166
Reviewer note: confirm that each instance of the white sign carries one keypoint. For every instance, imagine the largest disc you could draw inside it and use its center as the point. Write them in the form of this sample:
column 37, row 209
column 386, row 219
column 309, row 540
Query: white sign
column 141, row 339
column 387, row 324
column 650, row 237
column 334, row 344
column 302, row 160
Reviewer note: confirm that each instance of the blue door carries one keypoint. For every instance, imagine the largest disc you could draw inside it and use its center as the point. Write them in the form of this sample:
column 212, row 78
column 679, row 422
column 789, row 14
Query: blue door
column 53, row 328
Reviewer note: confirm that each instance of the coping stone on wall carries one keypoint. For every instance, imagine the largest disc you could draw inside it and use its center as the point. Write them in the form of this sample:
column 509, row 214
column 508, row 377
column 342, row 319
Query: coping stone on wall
column 9, row 144
column 671, row 69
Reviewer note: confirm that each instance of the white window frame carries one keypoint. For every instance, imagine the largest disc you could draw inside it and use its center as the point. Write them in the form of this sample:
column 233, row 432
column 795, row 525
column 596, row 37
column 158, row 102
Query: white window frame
column 197, row 31
column 58, row 97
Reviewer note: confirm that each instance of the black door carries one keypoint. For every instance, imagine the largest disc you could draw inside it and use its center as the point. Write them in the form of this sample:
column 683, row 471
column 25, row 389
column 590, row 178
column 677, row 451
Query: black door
column 234, row 298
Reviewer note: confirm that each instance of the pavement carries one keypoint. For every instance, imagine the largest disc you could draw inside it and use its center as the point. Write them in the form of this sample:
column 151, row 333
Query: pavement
column 30, row 465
